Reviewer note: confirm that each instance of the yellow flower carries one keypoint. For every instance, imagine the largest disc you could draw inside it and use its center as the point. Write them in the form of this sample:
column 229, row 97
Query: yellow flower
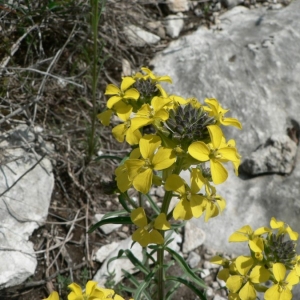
column 153, row 114
column 283, row 228
column 219, row 113
column 122, row 93
column 282, row 289
column 125, row 129
column 152, row 77
column 190, row 204
column 147, row 233
column 53, row 296
column 216, row 152
column 243, row 284
column 253, row 237
column 92, row 292
column 154, row 157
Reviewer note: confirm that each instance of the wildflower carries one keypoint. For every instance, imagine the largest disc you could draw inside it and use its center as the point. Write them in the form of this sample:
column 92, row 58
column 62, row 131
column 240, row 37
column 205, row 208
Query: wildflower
column 283, row 228
column 92, row 292
column 53, row 296
column 154, row 157
column 125, row 129
column 243, row 283
column 122, row 93
column 190, row 204
column 282, row 289
column 216, row 152
column 152, row 77
column 147, row 233
column 254, row 239
column 219, row 113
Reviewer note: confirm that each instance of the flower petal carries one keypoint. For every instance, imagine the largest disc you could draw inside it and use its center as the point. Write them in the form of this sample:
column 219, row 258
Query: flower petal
column 141, row 236
column 53, row 296
column 163, row 159
column 105, row 116
column 216, row 135
column 148, row 144
column 175, row 183
column 126, row 83
column 138, row 217
column 182, row 210
column 113, row 100
column 234, row 283
column 112, row 89
column 218, row 172
column 75, row 288
column 90, row 287
column 161, row 222
column 143, row 181
column 199, row 151
column 131, row 94
column 155, row 237
column 247, row 292
column 279, row 271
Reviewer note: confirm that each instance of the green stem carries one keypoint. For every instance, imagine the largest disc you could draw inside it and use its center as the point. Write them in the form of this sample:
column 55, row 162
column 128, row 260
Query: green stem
column 160, row 251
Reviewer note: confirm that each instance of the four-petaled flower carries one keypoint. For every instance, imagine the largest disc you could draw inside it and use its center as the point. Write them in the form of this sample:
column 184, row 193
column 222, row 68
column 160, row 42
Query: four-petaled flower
column 217, row 152
column 122, row 93
column 282, row 289
column 147, row 233
column 283, row 228
column 243, row 283
column 219, row 114
column 154, row 157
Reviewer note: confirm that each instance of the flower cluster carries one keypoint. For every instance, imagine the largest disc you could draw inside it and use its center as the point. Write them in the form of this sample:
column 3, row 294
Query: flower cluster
column 272, row 259
column 92, row 292
column 169, row 134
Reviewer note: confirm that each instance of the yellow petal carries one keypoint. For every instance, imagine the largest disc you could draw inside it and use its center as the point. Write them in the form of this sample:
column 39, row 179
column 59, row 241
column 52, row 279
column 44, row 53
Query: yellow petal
column 218, row 172
column 273, row 293
column 163, row 159
column 138, row 217
column 197, row 180
column 111, row 89
column 199, row 151
column 126, row 83
column 196, row 204
column 90, row 287
column 292, row 234
column 161, row 222
column 139, row 122
column 276, row 224
column 141, row 236
column 234, row 283
column 119, row 132
column 292, row 279
column 133, row 137
column 215, row 134
column 182, row 210
column 105, row 116
column 259, row 274
column 148, row 144
column 247, row 292
column 231, row 121
column 53, row 296
column 256, row 245
column 279, row 271
column 143, row 181
column 133, row 167
column 75, row 288
column 244, row 264
column 229, row 153
column 158, row 103
column 175, row 183
column 155, row 237
column 223, row 274
column 113, row 100
column 131, row 94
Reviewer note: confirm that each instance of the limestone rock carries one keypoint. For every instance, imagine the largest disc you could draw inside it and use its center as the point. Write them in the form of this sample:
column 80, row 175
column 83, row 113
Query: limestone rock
column 252, row 67
column 193, row 237
column 276, row 155
column 25, row 187
column 139, row 37
column 107, row 228
column 174, row 24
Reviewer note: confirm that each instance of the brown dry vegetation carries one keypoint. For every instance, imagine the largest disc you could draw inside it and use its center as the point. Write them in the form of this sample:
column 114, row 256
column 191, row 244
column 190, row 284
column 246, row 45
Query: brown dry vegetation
column 45, row 58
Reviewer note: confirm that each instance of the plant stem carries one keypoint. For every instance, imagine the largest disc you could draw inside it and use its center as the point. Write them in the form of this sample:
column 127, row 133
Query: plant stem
column 160, row 273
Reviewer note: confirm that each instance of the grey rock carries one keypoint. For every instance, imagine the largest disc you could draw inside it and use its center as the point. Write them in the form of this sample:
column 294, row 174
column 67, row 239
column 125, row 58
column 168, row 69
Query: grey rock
column 174, row 24
column 204, row 273
column 104, row 251
column 193, row 237
column 218, row 297
column 193, row 259
column 260, row 86
column 139, row 37
column 277, row 155
column 22, row 207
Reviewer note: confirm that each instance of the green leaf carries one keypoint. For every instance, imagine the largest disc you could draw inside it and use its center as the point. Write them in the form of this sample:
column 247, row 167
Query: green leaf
column 114, row 213
column 189, row 285
column 186, row 269
column 145, row 283
column 153, row 204
column 116, row 220
column 122, row 200
column 139, row 265
column 172, row 290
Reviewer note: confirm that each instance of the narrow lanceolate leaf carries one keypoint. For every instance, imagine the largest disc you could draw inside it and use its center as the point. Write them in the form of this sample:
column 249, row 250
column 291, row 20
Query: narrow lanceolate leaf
column 189, row 285
column 184, row 266
column 138, row 264
column 140, row 290
column 116, row 220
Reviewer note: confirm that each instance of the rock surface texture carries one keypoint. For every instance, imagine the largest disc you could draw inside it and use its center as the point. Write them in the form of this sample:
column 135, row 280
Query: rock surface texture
column 252, row 66
column 25, row 192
